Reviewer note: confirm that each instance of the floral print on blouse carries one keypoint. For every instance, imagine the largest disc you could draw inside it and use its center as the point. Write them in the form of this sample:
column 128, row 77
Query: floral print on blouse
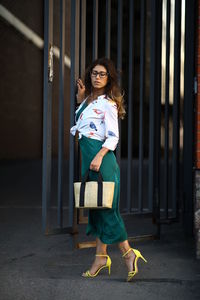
column 99, row 121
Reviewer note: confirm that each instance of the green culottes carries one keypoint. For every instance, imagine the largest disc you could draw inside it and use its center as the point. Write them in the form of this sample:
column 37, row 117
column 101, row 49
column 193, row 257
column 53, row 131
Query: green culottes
column 106, row 224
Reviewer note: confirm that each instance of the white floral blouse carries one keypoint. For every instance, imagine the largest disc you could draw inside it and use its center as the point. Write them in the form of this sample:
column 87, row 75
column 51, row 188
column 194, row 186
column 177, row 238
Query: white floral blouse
column 99, row 121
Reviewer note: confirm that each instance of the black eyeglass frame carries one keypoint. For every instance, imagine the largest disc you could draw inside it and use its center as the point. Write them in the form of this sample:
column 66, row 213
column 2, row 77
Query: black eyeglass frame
column 101, row 74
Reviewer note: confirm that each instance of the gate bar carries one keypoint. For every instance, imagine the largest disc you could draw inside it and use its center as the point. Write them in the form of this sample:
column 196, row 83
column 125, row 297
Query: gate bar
column 95, row 30
column 142, row 75
column 74, row 73
column 152, row 105
column 166, row 156
column 119, row 67
column 61, row 114
column 82, row 37
column 156, row 203
column 130, row 112
column 176, row 109
column 47, row 117
column 82, row 64
column 188, row 153
column 107, row 28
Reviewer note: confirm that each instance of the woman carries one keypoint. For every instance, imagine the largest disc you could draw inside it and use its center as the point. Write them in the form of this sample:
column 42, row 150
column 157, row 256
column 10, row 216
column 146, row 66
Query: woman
column 97, row 125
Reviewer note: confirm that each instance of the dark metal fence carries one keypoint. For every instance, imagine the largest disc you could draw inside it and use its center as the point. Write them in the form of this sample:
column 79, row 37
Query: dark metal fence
column 135, row 39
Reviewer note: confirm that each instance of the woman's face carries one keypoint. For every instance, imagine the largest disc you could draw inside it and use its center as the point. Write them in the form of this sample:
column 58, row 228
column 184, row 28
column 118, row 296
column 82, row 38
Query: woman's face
column 99, row 77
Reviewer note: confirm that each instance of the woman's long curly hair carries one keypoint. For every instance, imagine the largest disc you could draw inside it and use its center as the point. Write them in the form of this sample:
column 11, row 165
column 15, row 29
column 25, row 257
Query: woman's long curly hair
column 112, row 89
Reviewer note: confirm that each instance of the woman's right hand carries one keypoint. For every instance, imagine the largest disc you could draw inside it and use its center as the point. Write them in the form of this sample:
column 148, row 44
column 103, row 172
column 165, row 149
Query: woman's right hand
column 80, row 96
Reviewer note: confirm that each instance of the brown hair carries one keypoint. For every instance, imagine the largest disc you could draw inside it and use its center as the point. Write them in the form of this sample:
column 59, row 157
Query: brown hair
column 112, row 89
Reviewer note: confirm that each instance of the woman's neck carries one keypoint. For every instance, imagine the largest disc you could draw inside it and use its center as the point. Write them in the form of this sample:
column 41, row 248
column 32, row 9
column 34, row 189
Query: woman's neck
column 97, row 92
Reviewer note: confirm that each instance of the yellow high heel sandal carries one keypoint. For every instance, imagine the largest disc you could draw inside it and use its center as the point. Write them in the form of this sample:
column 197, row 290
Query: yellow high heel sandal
column 107, row 265
column 138, row 255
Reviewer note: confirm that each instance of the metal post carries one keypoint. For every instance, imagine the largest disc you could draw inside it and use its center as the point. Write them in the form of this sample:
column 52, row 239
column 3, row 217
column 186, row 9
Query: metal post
column 152, row 105
column 130, row 109
column 176, row 109
column 74, row 74
column 47, row 113
column 119, row 36
column 189, row 114
column 61, row 114
column 108, row 16
column 119, row 66
column 142, row 79
column 82, row 37
column 95, row 30
column 166, row 156
column 156, row 199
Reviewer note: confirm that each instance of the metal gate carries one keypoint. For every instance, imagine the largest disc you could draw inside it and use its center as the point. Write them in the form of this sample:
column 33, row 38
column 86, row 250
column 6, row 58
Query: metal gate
column 146, row 40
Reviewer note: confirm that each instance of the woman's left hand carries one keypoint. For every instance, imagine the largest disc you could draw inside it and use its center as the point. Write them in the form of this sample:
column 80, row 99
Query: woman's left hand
column 96, row 162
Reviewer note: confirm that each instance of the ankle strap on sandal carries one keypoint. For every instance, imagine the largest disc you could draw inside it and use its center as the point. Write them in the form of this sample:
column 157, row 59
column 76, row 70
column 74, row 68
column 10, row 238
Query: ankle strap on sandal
column 103, row 255
column 130, row 249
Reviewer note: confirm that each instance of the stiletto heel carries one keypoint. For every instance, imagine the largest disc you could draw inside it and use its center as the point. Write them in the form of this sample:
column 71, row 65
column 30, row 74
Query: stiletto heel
column 109, row 269
column 107, row 265
column 138, row 255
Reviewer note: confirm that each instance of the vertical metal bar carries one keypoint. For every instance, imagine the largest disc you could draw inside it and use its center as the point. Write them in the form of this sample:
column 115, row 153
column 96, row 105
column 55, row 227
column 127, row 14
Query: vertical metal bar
column 82, row 36
column 166, row 155
column 79, row 214
column 95, row 30
column 152, row 105
column 156, row 202
column 82, row 59
column 130, row 108
column 142, row 58
column 176, row 108
column 119, row 36
column 74, row 73
column 108, row 20
column 119, row 64
column 77, row 40
column 47, row 117
column 188, row 138
column 45, row 165
column 61, row 114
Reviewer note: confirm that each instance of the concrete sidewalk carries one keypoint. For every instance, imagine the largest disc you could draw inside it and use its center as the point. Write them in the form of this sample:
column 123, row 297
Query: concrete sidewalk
column 34, row 266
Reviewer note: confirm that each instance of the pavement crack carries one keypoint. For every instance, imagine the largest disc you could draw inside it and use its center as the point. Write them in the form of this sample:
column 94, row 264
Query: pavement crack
column 14, row 259
column 28, row 255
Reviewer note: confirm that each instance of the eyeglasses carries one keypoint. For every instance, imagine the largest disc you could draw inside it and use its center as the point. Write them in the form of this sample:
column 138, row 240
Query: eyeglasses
column 101, row 74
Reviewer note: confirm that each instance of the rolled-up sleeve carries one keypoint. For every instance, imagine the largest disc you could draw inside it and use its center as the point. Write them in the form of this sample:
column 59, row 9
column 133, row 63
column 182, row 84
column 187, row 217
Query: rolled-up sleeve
column 111, row 126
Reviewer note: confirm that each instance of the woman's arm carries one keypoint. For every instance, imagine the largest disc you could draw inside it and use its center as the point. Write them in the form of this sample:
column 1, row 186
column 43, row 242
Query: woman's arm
column 96, row 162
column 111, row 134
column 111, row 126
